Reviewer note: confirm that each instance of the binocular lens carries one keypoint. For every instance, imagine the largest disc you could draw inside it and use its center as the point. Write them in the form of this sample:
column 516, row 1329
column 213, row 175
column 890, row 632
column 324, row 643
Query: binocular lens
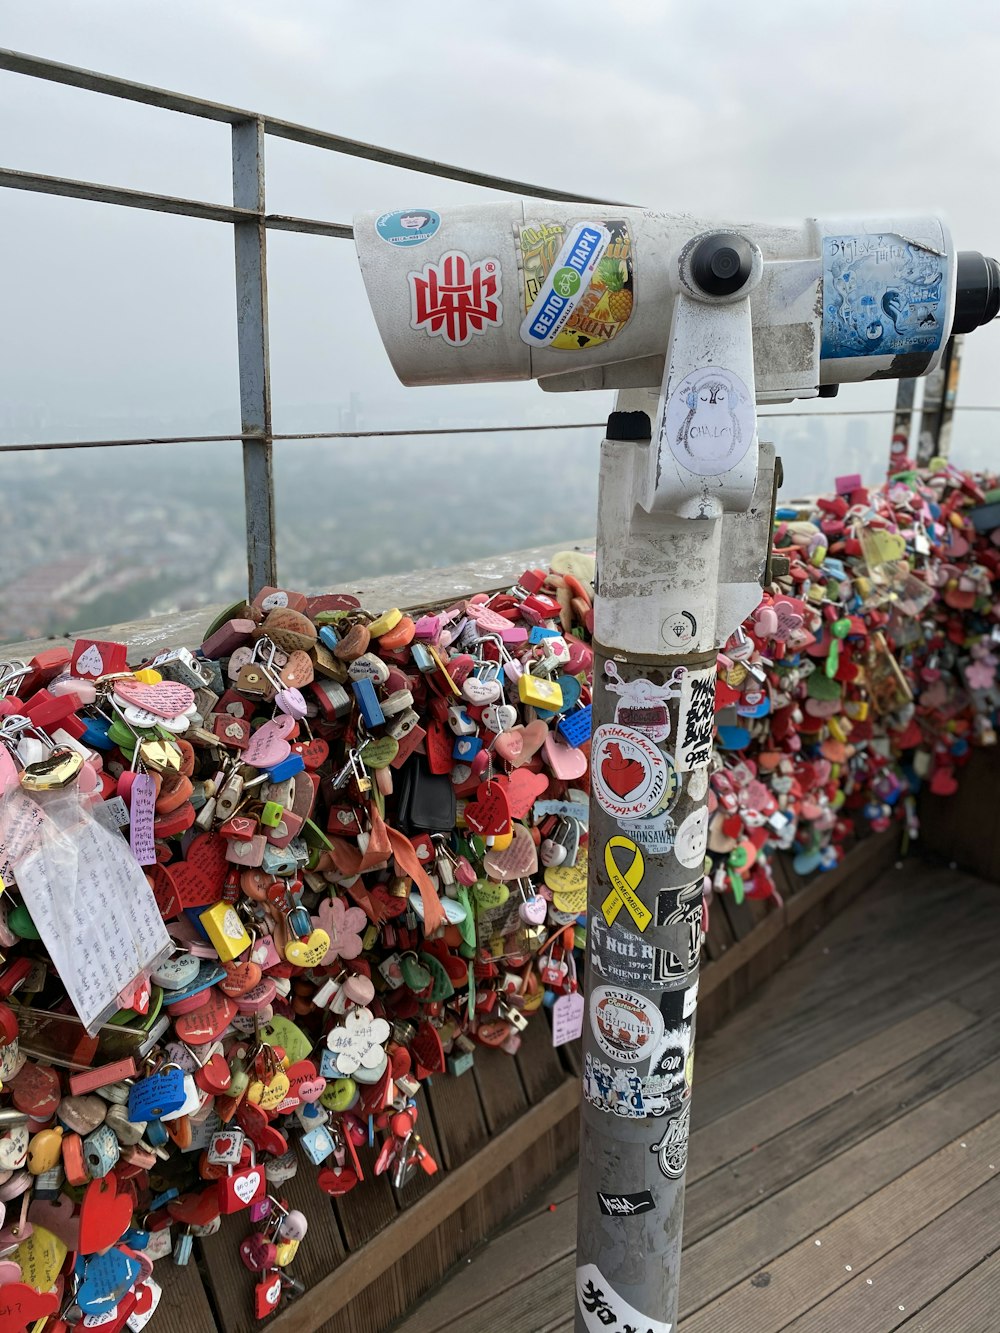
column 977, row 291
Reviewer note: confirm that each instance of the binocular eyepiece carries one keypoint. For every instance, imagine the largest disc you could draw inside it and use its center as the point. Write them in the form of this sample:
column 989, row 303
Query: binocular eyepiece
column 977, row 291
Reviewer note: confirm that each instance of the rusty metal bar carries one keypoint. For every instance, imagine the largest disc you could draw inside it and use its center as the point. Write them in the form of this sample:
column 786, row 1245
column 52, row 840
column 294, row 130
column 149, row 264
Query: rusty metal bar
column 254, row 357
column 19, row 62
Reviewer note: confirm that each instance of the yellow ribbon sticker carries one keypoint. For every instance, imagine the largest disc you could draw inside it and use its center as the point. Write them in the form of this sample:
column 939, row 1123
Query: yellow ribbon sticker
column 624, row 885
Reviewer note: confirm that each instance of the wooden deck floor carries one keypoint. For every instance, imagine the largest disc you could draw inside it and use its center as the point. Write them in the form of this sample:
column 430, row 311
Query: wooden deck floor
column 844, row 1164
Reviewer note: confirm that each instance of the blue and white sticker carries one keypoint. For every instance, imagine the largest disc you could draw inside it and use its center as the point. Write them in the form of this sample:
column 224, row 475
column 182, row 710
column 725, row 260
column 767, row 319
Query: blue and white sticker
column 408, row 226
column 567, row 282
column 882, row 296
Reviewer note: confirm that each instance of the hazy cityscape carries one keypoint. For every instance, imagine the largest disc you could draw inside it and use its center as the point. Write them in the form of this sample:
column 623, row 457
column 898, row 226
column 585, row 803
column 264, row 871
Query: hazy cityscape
column 115, row 534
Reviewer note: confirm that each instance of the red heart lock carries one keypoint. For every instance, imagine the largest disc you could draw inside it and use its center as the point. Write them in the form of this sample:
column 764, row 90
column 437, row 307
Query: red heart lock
column 214, row 1076
column 37, row 1091
column 489, row 814
column 105, row 1215
column 21, row 1306
column 241, row 1189
column 620, row 774
column 439, row 744
column 522, row 788
column 336, row 1180
column 240, row 978
column 426, row 1047
column 195, row 1210
column 314, row 753
column 198, row 879
column 208, row 1021
column 944, row 782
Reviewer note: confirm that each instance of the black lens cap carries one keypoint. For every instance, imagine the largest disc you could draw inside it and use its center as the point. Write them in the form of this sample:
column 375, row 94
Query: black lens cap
column 721, row 264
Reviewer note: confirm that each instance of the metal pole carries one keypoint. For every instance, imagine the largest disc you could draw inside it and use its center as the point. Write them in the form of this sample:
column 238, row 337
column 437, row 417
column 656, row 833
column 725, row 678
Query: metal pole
column 646, row 872
column 254, row 358
column 902, row 425
column 940, row 393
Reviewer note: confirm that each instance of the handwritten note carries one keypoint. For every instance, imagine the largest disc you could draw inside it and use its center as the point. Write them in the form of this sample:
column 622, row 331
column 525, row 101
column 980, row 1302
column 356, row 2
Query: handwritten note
column 142, row 811
column 567, row 1018
column 95, row 912
column 21, row 822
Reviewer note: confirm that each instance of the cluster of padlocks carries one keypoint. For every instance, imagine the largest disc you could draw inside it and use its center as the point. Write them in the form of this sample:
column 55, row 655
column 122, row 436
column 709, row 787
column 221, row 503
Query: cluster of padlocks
column 257, row 891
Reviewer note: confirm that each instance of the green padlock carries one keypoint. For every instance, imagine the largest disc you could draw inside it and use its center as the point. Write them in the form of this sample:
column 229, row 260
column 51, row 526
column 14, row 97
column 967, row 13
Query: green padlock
column 20, row 922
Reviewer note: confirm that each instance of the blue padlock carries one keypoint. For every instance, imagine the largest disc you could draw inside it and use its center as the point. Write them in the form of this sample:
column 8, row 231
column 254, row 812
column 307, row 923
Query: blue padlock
column 157, row 1095
column 318, row 1144
column 371, row 710
column 328, row 637
column 466, row 748
column 101, row 1151
column 286, row 769
column 575, row 727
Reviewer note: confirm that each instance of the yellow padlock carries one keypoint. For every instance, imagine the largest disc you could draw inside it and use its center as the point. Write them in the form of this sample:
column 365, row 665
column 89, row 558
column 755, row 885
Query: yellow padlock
column 285, row 1252
column 148, row 676
column 226, row 931
column 45, row 1151
column 539, row 693
column 386, row 621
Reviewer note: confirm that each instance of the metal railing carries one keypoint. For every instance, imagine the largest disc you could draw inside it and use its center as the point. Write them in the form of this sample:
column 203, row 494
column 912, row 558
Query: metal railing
column 251, row 221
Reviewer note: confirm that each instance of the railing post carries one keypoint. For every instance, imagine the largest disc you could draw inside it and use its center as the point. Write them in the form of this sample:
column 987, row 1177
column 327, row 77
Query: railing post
column 254, row 356
column 902, row 426
column 940, row 393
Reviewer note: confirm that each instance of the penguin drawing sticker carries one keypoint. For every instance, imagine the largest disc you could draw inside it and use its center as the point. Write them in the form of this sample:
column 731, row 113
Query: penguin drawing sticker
column 710, row 421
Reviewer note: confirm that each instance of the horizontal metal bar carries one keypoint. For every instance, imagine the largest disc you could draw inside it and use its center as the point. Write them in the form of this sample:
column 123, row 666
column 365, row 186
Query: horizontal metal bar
column 19, row 62
column 430, row 430
column 313, row 435
column 440, row 429
column 164, row 203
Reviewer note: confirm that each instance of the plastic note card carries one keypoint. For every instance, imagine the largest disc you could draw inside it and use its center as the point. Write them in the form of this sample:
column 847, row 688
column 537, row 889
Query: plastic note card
column 93, row 907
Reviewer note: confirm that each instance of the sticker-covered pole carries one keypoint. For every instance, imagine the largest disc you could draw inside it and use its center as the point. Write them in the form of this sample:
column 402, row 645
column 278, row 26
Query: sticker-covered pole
column 666, row 600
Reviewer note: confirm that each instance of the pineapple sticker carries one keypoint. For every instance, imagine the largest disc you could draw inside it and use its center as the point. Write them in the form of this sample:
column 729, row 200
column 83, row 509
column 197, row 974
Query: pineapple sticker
column 614, row 274
column 606, row 307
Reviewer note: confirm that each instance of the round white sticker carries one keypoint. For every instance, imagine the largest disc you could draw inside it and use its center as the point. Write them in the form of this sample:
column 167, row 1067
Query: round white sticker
column 710, row 421
column 630, row 776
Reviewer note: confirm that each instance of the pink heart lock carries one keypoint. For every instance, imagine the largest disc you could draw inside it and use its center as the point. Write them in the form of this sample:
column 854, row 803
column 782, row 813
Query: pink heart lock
column 267, row 747
column 168, row 698
column 565, row 762
column 292, row 703
column 533, row 910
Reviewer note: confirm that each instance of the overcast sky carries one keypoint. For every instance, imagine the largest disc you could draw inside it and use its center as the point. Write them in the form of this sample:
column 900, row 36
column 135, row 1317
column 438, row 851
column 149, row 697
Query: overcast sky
column 776, row 110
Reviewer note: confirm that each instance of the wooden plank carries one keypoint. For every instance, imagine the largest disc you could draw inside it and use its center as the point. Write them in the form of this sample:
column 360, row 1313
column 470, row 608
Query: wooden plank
column 889, row 1292
column 711, row 1201
column 184, row 1304
column 458, row 1116
column 360, row 1270
column 538, row 1060
column 860, row 1237
column 504, row 1264
column 970, row 1305
column 752, row 1241
column 369, row 1206
column 229, row 1282
column 746, row 1128
column 798, row 1045
column 500, row 1088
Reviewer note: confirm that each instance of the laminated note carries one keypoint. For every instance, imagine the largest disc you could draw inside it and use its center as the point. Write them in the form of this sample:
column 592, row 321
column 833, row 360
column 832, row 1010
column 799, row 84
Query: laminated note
column 95, row 912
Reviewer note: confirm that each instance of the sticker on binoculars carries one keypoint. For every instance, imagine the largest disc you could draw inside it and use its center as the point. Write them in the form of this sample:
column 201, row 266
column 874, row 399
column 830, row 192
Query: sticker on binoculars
column 579, row 286
column 710, row 421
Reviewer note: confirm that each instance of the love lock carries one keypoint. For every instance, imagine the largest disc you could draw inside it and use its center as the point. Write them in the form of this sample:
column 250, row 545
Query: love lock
column 243, row 1186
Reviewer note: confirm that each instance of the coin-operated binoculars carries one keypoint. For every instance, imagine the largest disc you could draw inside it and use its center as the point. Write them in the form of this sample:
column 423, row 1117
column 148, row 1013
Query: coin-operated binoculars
column 696, row 322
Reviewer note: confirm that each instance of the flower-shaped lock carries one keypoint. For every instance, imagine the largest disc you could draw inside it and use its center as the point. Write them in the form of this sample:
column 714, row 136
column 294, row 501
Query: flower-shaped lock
column 356, row 1047
column 345, row 926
